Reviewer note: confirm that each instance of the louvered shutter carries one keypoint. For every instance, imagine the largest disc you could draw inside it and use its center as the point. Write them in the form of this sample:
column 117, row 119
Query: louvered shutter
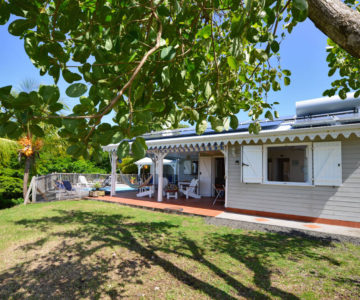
column 327, row 164
column 252, row 164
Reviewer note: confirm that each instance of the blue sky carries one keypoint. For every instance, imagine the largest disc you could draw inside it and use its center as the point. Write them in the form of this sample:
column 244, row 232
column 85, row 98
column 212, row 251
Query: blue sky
column 303, row 52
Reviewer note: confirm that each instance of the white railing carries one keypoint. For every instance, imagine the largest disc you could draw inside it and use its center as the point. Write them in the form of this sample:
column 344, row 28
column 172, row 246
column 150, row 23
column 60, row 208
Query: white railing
column 62, row 186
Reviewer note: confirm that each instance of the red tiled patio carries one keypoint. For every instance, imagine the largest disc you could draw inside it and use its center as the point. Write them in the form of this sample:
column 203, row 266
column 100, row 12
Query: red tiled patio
column 202, row 207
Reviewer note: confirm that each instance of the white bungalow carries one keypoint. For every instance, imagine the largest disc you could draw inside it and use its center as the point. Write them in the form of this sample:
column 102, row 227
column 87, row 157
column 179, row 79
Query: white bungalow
column 306, row 167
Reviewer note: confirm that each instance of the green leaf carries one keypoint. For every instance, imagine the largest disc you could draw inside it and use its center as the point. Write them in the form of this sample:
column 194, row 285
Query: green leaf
column 168, row 53
column 275, row 46
column 287, row 80
column 123, row 149
column 117, row 137
column 49, row 93
column 357, row 94
column 108, row 44
column 201, row 127
column 37, row 130
column 10, row 127
column 301, row 5
column 232, row 63
column 286, row 72
column 138, row 148
column 165, row 76
column 70, row 77
column 234, row 122
column 217, row 124
column 276, row 86
column 204, row 32
column 56, row 107
column 76, row 90
column 254, row 128
column 70, row 124
column 331, row 72
column 194, row 115
column 55, row 72
column 22, row 100
column 276, row 114
column 207, row 91
column 74, row 150
column 12, row 130
column 5, row 92
column 268, row 115
column 4, row 13
column 299, row 10
column 19, row 26
column 342, row 94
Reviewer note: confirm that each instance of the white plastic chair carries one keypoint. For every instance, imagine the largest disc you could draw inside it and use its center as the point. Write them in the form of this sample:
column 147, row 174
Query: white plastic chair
column 191, row 190
column 83, row 182
column 147, row 190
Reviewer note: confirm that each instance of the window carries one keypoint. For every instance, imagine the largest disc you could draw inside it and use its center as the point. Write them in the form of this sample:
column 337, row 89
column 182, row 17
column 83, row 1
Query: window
column 287, row 164
column 295, row 164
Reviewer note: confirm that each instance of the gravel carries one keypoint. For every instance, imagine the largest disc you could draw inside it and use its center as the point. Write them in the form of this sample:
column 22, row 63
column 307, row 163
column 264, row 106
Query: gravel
column 314, row 235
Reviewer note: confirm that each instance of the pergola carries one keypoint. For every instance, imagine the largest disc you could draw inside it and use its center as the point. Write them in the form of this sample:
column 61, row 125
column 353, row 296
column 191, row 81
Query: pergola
column 147, row 161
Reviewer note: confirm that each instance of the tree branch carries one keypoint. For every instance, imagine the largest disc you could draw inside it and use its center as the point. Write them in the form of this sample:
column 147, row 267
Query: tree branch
column 339, row 22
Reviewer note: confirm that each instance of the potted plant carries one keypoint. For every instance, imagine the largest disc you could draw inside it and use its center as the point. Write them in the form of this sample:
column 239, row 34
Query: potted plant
column 97, row 192
column 132, row 179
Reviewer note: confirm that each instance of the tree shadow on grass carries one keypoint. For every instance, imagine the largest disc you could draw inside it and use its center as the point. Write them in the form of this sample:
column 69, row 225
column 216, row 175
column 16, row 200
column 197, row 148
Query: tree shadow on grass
column 257, row 251
column 80, row 266
column 66, row 272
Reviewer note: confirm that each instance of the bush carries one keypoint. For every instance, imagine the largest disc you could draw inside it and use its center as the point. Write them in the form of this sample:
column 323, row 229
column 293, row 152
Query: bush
column 127, row 166
column 46, row 165
column 10, row 191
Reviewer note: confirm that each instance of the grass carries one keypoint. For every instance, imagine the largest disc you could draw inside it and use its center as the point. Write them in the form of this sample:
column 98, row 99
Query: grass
column 85, row 249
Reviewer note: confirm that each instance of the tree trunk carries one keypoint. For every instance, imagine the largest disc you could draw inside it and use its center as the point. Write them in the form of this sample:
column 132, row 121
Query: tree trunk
column 26, row 175
column 339, row 22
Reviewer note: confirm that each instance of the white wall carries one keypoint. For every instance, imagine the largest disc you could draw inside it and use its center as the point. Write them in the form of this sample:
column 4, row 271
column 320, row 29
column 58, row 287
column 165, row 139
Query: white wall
column 341, row 203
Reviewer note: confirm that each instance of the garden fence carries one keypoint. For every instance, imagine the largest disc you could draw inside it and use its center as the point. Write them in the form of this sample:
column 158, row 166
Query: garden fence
column 63, row 186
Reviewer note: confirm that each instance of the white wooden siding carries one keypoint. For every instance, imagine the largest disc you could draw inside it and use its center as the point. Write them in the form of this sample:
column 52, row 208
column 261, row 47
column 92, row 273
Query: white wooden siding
column 341, row 203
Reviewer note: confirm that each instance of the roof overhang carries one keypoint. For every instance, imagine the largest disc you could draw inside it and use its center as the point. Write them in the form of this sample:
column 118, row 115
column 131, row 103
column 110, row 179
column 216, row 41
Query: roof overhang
column 282, row 133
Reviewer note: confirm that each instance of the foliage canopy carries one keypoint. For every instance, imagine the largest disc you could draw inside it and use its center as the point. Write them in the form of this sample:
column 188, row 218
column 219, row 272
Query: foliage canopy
column 152, row 62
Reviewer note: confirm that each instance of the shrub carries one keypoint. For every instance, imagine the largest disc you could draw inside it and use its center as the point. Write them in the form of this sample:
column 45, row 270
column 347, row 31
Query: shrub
column 46, row 165
column 127, row 166
column 10, row 191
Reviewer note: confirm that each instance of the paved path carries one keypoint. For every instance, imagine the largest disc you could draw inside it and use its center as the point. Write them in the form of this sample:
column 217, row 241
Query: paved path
column 314, row 227
column 217, row 216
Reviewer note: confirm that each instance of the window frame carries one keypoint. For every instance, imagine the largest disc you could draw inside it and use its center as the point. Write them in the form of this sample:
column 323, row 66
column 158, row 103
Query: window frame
column 309, row 156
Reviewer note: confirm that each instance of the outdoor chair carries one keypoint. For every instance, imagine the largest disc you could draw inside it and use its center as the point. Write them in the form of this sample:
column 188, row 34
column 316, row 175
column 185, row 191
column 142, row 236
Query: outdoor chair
column 68, row 187
column 219, row 192
column 147, row 190
column 83, row 182
column 191, row 190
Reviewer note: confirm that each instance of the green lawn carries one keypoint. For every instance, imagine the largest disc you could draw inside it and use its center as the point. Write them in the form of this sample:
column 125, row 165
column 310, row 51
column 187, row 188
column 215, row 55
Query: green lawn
column 87, row 249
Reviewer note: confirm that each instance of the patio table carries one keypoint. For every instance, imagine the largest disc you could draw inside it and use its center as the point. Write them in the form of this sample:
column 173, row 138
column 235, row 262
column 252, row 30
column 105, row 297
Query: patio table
column 171, row 194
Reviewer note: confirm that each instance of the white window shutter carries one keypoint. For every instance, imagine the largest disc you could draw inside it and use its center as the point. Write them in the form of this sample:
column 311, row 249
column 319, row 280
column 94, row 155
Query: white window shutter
column 327, row 164
column 252, row 164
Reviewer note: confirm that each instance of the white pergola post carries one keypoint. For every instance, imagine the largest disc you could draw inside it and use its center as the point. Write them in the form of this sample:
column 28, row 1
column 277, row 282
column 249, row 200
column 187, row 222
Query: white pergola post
column 159, row 165
column 113, row 173
column 226, row 161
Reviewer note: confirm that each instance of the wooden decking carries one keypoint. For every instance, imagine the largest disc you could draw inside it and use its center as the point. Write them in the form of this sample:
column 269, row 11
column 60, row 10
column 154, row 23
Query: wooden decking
column 202, row 207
